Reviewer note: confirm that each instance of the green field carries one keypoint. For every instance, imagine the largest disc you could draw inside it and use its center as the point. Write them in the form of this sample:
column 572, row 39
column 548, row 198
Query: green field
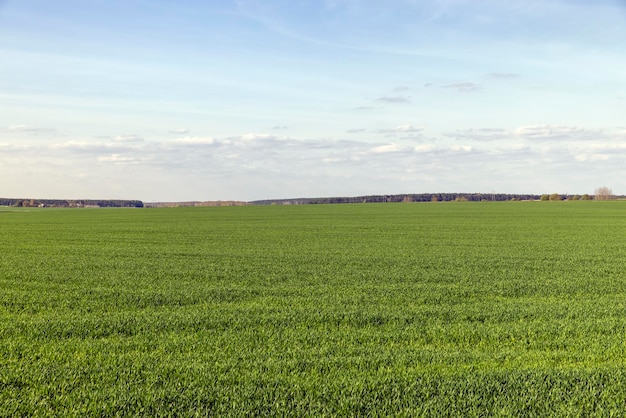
column 434, row 309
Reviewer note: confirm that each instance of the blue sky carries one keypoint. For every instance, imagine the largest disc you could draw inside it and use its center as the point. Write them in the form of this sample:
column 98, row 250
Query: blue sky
column 252, row 99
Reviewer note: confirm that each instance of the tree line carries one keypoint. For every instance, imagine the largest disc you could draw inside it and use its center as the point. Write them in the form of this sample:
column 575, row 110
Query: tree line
column 415, row 197
column 601, row 194
column 63, row 203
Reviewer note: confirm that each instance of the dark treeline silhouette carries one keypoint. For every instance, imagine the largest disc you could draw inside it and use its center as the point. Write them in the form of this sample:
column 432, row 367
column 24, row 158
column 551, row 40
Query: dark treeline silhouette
column 422, row 197
column 387, row 198
column 71, row 203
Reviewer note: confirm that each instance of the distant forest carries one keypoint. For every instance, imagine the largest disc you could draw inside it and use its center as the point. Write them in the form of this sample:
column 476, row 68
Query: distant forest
column 388, row 198
column 423, row 197
column 61, row 203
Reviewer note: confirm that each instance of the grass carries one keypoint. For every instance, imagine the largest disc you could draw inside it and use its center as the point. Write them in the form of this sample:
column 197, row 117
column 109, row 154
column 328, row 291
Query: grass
column 473, row 309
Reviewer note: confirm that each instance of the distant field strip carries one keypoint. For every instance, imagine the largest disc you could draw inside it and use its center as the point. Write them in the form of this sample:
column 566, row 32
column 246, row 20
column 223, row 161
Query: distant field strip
column 405, row 309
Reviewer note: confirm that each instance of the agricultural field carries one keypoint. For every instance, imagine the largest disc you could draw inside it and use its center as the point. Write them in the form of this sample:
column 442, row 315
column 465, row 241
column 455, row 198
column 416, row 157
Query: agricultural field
column 405, row 309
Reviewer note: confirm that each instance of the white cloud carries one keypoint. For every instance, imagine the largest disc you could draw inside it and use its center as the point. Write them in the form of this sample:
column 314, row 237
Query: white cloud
column 383, row 149
column 592, row 157
column 128, row 138
column 556, row 132
column 519, row 147
column 462, row 148
column 19, row 128
column 258, row 137
column 465, row 86
column 179, row 131
column 264, row 158
column 480, row 134
column 401, row 129
column 600, row 152
column 195, row 140
column 424, row 148
column 534, row 133
column 71, row 145
column 26, row 129
column 394, row 99
column 117, row 159
column 408, row 128
column 17, row 150
column 86, row 146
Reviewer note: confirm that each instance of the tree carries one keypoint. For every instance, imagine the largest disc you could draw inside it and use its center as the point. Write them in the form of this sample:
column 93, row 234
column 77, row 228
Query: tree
column 555, row 196
column 585, row 197
column 603, row 193
column 544, row 197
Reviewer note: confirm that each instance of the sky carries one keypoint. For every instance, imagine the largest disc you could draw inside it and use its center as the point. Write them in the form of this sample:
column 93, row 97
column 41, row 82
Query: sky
column 258, row 99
